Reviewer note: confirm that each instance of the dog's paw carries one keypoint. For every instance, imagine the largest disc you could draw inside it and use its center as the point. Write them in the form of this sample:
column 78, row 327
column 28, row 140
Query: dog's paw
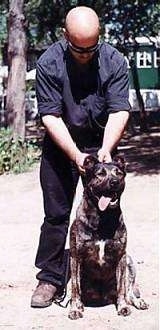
column 75, row 314
column 141, row 304
column 124, row 310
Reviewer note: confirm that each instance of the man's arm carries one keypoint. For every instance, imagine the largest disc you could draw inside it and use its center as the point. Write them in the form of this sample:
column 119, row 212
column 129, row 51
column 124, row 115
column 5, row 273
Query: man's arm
column 59, row 133
column 114, row 130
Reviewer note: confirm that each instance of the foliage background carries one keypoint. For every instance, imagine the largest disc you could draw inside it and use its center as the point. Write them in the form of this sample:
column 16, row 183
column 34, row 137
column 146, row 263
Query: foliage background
column 45, row 19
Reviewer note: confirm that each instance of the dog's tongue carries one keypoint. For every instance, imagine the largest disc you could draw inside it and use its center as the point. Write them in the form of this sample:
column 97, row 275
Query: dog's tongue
column 104, row 202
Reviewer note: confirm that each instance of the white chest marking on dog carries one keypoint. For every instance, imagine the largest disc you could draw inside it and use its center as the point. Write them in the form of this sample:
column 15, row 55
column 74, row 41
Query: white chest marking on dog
column 101, row 245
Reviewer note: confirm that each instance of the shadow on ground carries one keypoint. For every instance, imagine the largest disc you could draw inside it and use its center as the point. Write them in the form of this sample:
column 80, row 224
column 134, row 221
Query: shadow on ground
column 142, row 152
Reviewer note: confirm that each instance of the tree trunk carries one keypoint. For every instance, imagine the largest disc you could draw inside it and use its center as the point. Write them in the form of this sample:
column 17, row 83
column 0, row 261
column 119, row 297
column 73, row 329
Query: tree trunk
column 17, row 70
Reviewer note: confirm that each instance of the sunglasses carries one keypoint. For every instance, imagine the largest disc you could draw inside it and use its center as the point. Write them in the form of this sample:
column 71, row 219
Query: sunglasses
column 82, row 50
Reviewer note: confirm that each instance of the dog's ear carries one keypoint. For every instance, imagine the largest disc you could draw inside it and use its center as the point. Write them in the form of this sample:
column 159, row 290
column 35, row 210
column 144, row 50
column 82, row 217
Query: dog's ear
column 89, row 163
column 120, row 161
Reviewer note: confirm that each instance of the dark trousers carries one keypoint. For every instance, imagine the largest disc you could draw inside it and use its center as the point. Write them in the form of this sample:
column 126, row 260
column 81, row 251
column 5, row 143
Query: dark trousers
column 59, row 178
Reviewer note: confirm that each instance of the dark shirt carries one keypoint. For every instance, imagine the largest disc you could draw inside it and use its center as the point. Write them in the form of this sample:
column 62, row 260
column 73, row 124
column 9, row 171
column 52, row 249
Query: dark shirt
column 83, row 95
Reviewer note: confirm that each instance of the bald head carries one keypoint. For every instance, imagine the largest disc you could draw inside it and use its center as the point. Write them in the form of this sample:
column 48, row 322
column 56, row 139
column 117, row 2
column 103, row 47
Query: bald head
column 82, row 26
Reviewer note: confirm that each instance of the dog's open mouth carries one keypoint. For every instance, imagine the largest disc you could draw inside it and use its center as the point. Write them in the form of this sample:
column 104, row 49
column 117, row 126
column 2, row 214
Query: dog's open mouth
column 106, row 201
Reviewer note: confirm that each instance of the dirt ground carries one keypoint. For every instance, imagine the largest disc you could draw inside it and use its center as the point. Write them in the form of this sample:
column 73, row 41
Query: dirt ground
column 20, row 219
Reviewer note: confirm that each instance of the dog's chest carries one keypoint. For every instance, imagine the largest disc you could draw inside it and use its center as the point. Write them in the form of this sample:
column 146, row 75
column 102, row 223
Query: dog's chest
column 101, row 239
column 101, row 254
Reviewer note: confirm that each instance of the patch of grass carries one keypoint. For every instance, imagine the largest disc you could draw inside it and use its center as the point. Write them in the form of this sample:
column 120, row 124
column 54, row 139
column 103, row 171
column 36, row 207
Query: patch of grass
column 17, row 156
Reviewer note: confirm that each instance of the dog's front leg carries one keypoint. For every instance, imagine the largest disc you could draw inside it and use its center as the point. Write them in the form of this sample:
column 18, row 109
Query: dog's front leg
column 76, row 310
column 122, row 306
column 133, row 293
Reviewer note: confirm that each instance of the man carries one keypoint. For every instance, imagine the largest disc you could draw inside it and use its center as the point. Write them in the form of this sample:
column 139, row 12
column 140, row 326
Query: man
column 82, row 93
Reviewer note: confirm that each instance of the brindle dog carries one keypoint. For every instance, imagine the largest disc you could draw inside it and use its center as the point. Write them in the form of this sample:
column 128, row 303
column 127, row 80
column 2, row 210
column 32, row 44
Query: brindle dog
column 101, row 271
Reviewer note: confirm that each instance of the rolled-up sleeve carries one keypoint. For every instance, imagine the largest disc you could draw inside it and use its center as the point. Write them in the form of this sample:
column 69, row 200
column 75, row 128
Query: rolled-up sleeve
column 48, row 92
column 117, row 92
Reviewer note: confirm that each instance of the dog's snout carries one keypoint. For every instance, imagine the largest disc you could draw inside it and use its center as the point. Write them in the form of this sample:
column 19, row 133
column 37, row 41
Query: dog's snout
column 114, row 182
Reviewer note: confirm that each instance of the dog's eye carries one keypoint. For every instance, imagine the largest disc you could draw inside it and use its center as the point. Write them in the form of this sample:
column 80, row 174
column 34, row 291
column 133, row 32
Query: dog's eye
column 116, row 172
column 101, row 171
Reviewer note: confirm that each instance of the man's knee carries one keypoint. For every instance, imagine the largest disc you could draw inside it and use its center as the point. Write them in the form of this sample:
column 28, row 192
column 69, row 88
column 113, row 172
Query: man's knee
column 57, row 220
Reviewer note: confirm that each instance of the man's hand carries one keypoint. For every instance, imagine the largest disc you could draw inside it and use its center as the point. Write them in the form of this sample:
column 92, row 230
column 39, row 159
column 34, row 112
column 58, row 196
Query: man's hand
column 104, row 155
column 61, row 136
column 79, row 160
column 112, row 134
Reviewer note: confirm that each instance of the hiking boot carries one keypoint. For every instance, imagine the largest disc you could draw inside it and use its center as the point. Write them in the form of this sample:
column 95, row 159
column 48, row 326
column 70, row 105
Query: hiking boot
column 43, row 295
